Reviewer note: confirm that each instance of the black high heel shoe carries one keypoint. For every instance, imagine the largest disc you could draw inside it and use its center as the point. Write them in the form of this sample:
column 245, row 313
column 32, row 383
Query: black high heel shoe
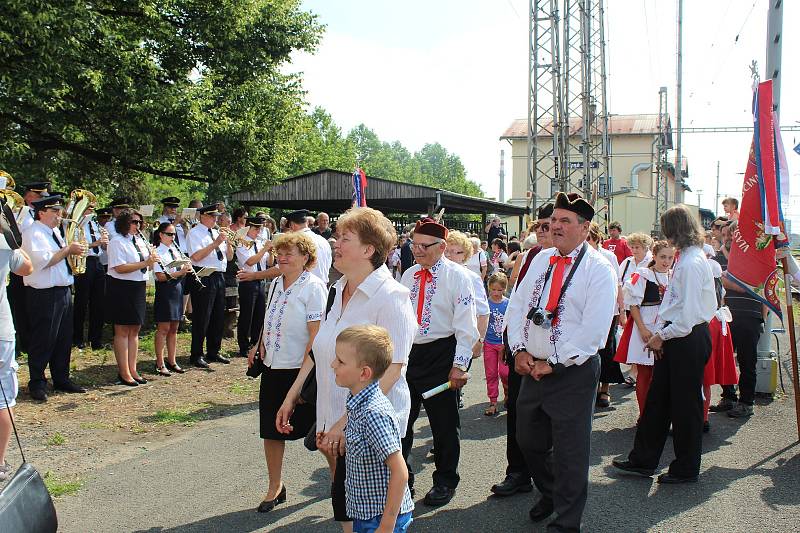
column 268, row 505
column 174, row 368
column 140, row 380
column 121, row 381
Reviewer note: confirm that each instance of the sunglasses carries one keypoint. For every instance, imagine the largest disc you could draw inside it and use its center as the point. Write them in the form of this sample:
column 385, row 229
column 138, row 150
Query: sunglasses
column 139, row 222
column 544, row 226
column 420, row 246
column 168, row 233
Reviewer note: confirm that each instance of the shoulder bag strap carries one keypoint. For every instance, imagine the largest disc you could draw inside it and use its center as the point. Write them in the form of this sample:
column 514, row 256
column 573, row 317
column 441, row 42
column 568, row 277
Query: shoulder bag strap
column 22, row 453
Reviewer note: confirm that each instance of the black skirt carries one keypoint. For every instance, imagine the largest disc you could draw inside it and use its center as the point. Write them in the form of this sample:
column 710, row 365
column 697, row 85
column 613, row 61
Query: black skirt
column 125, row 301
column 168, row 305
column 610, row 371
column 275, row 383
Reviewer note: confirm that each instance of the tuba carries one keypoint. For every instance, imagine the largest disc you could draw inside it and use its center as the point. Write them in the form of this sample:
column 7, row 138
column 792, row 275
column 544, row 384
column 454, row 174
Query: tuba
column 11, row 197
column 79, row 201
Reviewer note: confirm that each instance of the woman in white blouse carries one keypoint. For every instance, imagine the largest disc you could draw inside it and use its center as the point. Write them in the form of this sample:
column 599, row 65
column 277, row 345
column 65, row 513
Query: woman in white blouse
column 295, row 304
column 129, row 259
column 168, row 306
column 366, row 294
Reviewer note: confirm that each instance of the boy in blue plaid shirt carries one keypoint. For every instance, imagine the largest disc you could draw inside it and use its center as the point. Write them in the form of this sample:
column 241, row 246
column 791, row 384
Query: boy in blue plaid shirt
column 376, row 483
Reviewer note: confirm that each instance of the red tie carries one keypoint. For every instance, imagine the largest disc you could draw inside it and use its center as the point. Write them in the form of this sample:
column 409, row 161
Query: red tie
column 424, row 276
column 558, row 280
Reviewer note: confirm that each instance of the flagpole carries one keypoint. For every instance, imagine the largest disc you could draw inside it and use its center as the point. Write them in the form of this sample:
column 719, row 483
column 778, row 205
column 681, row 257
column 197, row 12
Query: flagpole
column 792, row 341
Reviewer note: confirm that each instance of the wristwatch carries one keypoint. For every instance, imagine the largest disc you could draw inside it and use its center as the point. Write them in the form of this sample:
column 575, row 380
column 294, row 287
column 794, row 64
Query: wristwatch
column 460, row 367
column 557, row 367
column 517, row 351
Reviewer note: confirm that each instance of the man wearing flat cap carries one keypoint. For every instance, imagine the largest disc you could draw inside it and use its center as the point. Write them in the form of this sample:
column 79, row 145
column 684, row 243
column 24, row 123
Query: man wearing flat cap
column 297, row 221
column 117, row 205
column 442, row 298
column 48, row 299
column 207, row 247
column 16, row 288
column 557, row 321
column 169, row 213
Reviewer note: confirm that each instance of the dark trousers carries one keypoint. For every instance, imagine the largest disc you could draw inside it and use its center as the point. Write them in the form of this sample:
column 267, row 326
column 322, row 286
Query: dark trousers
column 251, row 314
column 19, row 311
column 675, row 398
column 514, row 456
column 554, row 428
column 208, row 315
column 745, row 332
column 89, row 294
column 442, row 411
column 50, row 319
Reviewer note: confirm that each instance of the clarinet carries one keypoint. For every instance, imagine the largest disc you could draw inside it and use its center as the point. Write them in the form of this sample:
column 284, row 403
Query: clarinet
column 191, row 268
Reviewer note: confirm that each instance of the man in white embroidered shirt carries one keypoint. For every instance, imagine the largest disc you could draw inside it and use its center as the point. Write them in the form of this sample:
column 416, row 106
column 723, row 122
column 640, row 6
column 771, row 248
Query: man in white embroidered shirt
column 557, row 320
column 297, row 222
column 442, row 298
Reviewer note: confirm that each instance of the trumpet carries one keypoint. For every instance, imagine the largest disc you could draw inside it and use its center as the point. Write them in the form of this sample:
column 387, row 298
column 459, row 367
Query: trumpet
column 234, row 238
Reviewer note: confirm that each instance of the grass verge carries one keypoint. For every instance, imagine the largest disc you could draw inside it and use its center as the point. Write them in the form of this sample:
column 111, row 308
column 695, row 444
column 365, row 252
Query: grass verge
column 58, row 487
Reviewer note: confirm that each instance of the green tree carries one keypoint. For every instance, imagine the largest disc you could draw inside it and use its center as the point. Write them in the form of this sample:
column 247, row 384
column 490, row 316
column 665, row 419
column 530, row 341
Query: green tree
column 321, row 145
column 106, row 94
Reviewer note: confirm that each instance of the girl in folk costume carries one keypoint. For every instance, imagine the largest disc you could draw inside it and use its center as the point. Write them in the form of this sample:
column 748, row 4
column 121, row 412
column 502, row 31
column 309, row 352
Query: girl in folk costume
column 721, row 366
column 640, row 245
column 643, row 293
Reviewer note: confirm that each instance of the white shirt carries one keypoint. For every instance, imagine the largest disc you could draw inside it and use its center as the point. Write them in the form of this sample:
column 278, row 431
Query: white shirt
column 286, row 319
column 629, row 266
column 112, row 231
column 690, row 298
column 481, row 301
column 92, row 227
column 448, row 308
column 201, row 236
column 476, row 262
column 611, row 258
column 121, row 251
column 324, row 255
column 25, row 218
column 585, row 311
column 243, row 254
column 168, row 254
column 379, row 300
column 37, row 241
column 180, row 237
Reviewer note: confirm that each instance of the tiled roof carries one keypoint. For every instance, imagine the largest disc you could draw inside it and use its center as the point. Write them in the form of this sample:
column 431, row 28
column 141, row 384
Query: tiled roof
column 617, row 125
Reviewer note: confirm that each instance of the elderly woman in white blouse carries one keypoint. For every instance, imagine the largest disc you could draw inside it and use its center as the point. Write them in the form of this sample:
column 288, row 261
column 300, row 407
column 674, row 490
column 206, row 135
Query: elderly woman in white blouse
column 366, row 294
column 295, row 304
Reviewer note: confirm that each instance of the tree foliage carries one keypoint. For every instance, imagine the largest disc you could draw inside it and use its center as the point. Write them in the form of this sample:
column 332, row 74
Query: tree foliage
column 102, row 93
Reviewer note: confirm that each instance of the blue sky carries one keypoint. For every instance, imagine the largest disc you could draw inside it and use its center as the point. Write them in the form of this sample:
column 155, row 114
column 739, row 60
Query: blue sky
column 455, row 72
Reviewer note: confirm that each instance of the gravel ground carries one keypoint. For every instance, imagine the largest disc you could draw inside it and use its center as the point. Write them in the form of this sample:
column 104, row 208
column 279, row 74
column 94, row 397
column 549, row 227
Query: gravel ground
column 210, row 477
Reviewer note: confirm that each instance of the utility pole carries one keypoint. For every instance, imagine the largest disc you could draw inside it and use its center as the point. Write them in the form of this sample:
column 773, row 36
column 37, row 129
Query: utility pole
column 774, row 45
column 679, row 89
column 699, row 198
column 716, row 196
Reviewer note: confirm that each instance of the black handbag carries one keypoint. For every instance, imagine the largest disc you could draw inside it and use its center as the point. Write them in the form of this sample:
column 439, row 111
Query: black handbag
column 25, row 503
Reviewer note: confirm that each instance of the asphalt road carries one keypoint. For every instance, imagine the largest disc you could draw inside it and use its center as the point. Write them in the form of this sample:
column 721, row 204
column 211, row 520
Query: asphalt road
column 212, row 477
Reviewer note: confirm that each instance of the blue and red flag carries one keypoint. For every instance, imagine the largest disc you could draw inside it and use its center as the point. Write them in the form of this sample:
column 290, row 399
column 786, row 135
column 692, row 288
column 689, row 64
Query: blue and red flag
column 359, row 188
column 751, row 263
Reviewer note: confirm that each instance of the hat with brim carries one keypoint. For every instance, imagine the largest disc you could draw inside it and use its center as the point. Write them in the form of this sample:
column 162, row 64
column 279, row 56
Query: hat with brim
column 255, row 221
column 39, row 187
column 54, row 200
column 427, row 226
column 121, row 203
column 209, row 210
column 574, row 202
column 171, row 201
column 545, row 211
column 103, row 211
column 299, row 216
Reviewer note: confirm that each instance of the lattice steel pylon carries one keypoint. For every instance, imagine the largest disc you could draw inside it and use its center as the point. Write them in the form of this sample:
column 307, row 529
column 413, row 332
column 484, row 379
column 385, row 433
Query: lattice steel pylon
column 661, row 163
column 567, row 101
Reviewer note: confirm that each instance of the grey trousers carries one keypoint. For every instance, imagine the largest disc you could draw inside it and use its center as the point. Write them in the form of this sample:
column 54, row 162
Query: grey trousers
column 554, row 427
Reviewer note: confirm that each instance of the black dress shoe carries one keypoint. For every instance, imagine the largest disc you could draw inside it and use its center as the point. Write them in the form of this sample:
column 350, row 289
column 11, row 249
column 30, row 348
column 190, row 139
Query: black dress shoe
column 174, row 368
column 199, row 363
column 724, row 404
column 40, row 395
column 140, row 380
column 439, row 495
column 121, row 381
column 542, row 509
column 631, row 468
column 69, row 387
column 268, row 505
column 512, row 484
column 671, row 479
column 218, row 359
column 97, row 346
column 80, row 345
